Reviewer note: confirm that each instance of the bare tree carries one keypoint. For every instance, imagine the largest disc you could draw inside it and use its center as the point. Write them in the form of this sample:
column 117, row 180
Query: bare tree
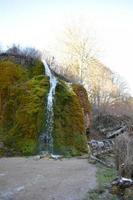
column 76, row 49
column 124, row 153
column 32, row 53
column 27, row 52
column 121, row 88
column 79, row 64
column 14, row 49
column 0, row 48
column 105, row 88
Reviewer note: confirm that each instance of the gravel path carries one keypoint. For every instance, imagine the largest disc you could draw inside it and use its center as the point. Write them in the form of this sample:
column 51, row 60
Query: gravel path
column 29, row 179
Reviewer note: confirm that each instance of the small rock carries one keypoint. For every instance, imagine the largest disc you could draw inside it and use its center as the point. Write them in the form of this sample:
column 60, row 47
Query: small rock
column 56, row 157
column 37, row 157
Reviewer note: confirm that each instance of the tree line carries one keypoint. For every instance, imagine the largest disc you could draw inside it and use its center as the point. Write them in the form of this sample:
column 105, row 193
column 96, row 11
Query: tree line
column 107, row 91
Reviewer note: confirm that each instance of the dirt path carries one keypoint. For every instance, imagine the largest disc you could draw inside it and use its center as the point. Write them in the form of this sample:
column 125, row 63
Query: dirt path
column 28, row 179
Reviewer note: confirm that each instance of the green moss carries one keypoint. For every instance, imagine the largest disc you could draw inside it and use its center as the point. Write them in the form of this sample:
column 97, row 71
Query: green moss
column 28, row 119
column 83, row 97
column 35, row 69
column 12, row 75
column 23, row 94
column 69, row 137
column 26, row 146
column 22, row 107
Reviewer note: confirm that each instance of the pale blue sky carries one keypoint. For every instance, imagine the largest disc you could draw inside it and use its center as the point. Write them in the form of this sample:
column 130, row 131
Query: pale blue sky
column 38, row 22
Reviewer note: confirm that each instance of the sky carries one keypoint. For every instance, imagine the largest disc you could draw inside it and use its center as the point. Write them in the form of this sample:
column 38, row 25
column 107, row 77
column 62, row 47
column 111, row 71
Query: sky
column 38, row 23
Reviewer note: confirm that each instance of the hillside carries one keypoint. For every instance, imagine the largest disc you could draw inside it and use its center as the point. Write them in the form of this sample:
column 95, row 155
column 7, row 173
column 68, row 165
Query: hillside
column 23, row 102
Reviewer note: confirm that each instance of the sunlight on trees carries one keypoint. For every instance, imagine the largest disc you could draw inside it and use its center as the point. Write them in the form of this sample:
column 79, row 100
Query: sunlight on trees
column 79, row 63
column 77, row 46
column 105, row 88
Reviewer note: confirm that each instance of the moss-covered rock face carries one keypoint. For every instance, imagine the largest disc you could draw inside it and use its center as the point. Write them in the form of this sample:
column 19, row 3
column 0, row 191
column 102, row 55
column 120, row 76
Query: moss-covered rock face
column 83, row 97
column 85, row 104
column 35, row 69
column 22, row 108
column 23, row 99
column 69, row 130
column 29, row 116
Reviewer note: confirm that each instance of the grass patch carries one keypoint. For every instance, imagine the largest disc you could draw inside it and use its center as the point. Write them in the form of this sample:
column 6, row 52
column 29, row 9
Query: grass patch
column 104, row 177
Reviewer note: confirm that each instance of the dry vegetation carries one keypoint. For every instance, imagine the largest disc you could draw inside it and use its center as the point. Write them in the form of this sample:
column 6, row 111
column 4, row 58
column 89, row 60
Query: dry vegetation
column 124, row 154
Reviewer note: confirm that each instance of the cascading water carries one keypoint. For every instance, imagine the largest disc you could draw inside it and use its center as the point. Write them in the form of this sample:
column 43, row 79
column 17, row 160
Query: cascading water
column 46, row 139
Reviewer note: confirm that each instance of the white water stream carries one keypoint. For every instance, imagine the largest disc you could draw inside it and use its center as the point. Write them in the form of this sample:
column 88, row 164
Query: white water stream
column 46, row 139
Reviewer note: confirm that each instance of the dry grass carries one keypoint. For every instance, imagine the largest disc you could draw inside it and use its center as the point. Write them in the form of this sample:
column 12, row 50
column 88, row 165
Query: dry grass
column 124, row 154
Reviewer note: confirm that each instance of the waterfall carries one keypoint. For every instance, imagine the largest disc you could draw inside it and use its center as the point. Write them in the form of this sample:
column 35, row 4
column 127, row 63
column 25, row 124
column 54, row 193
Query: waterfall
column 46, row 139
